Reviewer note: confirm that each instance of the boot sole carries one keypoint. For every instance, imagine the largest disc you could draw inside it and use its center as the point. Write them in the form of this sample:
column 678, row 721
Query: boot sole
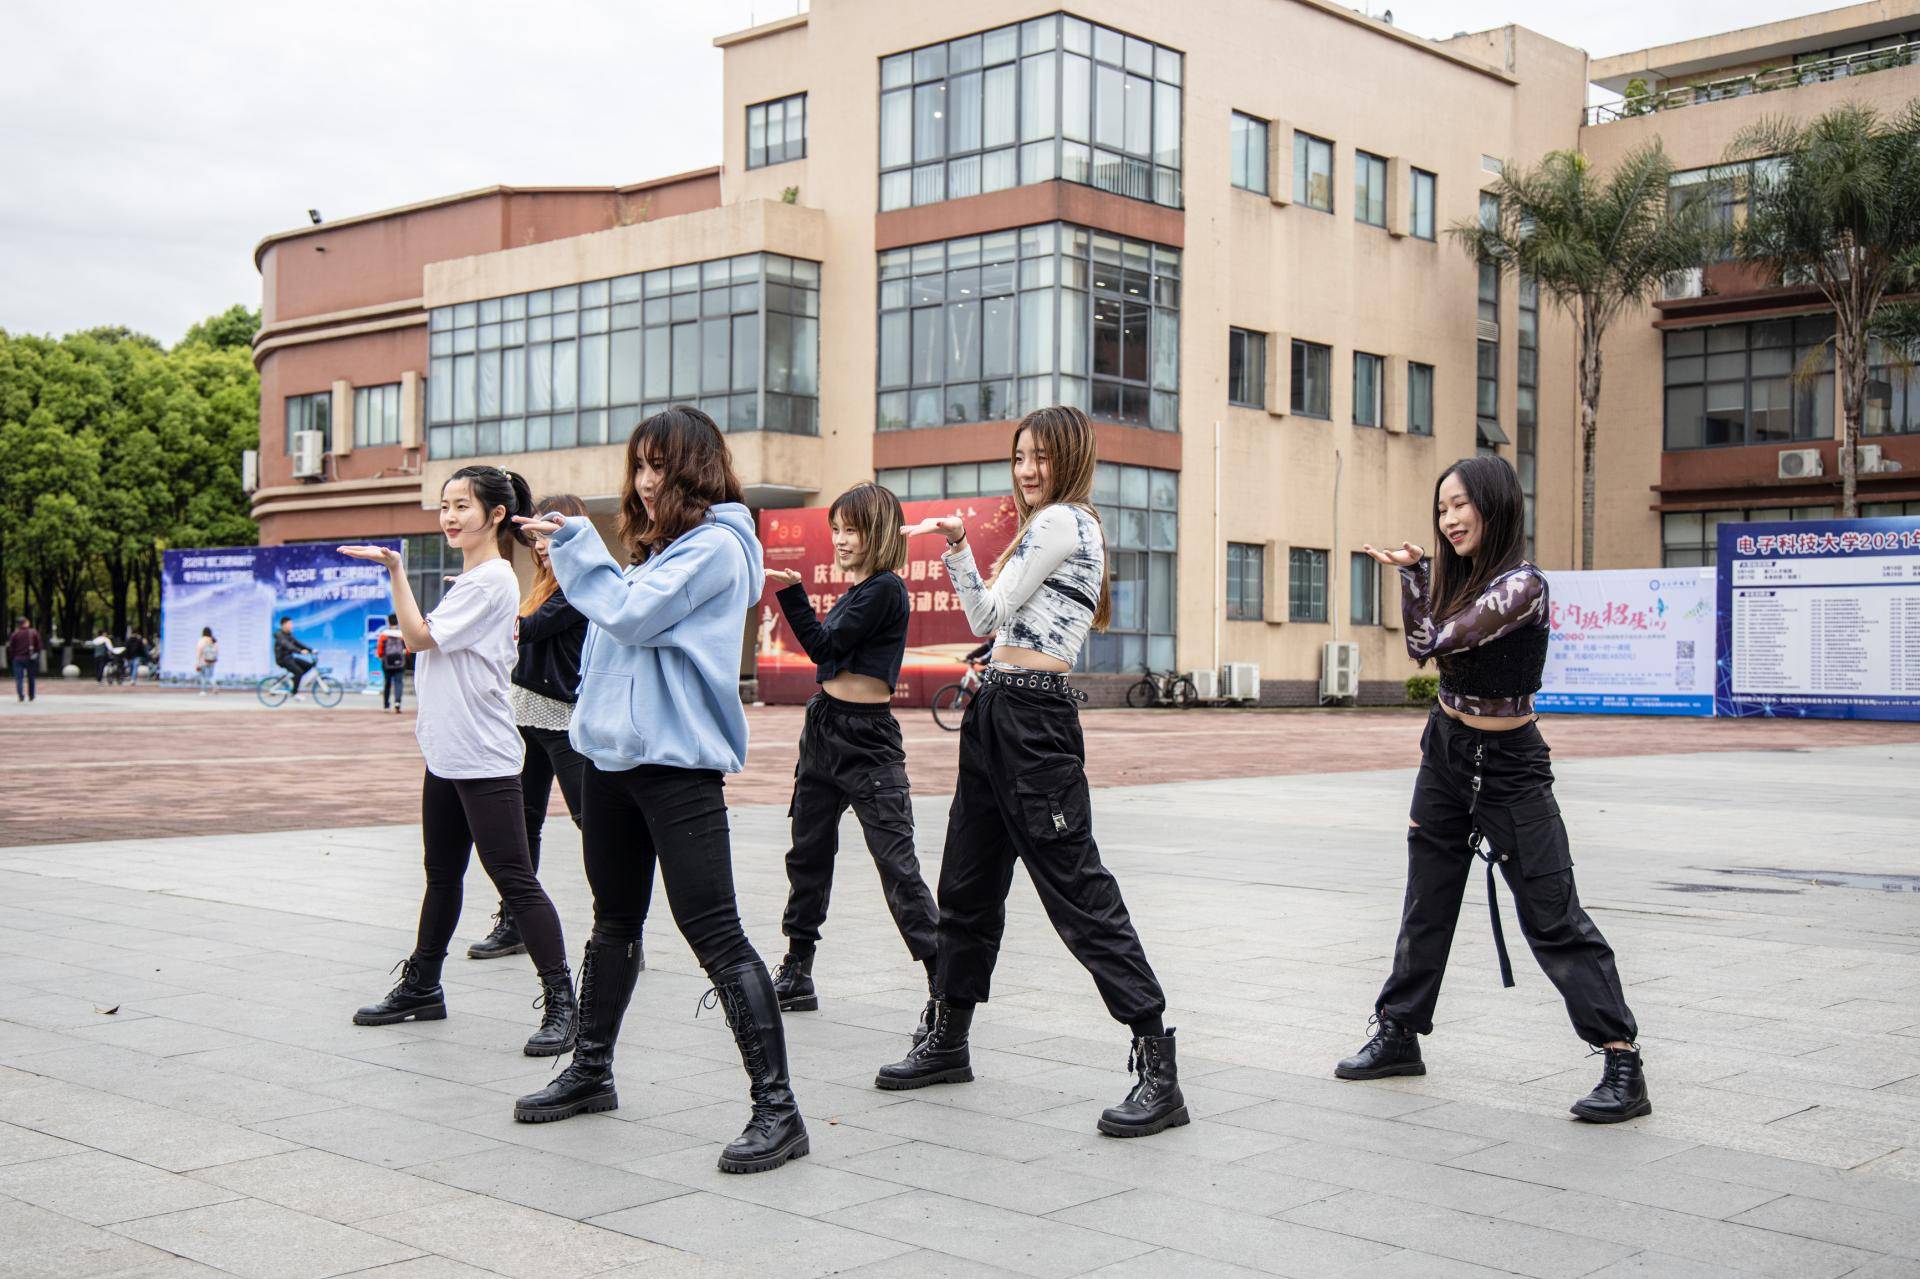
column 548, row 1050
column 799, row 1148
column 801, row 1004
column 1644, row 1108
column 475, row 952
column 547, row 1114
column 438, row 1012
column 1381, row 1072
column 1178, row 1119
column 958, row 1075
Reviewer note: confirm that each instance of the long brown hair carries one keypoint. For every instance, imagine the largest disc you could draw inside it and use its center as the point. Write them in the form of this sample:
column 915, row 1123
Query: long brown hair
column 696, row 473
column 1494, row 490
column 1063, row 433
column 544, row 582
column 875, row 511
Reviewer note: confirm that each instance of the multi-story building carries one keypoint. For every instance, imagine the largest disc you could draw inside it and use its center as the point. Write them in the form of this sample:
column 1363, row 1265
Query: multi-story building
column 1227, row 241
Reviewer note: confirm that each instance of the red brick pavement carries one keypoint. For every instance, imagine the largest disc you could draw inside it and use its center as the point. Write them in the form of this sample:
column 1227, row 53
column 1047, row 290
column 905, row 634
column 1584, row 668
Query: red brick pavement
column 127, row 772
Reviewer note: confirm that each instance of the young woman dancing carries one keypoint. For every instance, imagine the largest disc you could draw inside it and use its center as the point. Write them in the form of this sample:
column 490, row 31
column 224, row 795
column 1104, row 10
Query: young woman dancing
column 850, row 751
column 471, row 796
column 660, row 721
column 1022, row 793
column 1485, row 787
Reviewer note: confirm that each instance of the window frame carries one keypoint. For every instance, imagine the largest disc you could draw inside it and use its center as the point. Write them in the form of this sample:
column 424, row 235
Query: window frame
column 388, row 395
column 1366, row 569
column 1252, row 344
column 1246, row 571
column 1811, row 411
column 1243, row 150
column 1369, row 188
column 1296, row 400
column 1432, row 184
column 310, row 406
column 1304, row 144
column 1415, row 426
column 786, row 103
column 1306, row 596
column 1375, row 409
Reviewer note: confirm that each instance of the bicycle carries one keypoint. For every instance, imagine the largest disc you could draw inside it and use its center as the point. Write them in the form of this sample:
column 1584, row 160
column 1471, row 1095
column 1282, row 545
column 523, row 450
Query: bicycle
column 277, row 688
column 1170, row 689
column 950, row 701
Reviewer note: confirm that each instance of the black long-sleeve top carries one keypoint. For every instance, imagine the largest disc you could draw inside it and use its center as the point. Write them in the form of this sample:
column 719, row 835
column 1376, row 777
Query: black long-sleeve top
column 550, row 640
column 865, row 632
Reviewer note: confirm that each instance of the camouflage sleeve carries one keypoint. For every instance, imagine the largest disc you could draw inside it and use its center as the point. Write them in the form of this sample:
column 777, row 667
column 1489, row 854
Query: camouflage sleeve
column 1512, row 602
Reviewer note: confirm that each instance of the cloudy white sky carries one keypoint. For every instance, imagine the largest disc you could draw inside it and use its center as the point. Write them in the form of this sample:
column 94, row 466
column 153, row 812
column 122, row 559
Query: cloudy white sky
column 145, row 148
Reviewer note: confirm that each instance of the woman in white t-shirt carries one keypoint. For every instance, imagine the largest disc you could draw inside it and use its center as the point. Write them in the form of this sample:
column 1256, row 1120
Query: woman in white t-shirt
column 466, row 730
column 206, row 655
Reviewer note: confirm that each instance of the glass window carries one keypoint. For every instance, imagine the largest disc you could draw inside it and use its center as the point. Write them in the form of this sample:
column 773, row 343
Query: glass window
column 1312, row 379
column 1247, row 140
column 376, row 415
column 1246, row 581
column 1369, row 188
column 1306, row 585
column 313, row 413
column 1247, row 368
column 1419, row 399
column 777, row 131
column 1313, row 172
column 1487, row 379
column 1420, row 216
column 1363, row 590
column 1763, row 383
column 1368, row 370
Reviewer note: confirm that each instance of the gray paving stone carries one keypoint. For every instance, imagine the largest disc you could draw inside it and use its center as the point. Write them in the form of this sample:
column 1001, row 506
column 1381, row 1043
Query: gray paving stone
column 1362, row 1132
column 265, row 1241
column 376, row 1136
column 983, row 1134
column 330, row 1186
column 808, row 1187
column 598, row 1139
column 101, row 1189
column 1167, row 1263
column 1336, row 1168
column 38, row 1244
column 1462, row 1236
column 551, row 1183
column 510, row 1240
column 1660, row 1265
column 1651, row 1183
column 169, row 1139
column 1273, row 1246
column 751, row 1237
column 1028, row 1245
column 179, row 1084
column 922, row 1264
column 1040, row 1187
column 21, row 1145
column 1855, row 1227
column 1745, row 1248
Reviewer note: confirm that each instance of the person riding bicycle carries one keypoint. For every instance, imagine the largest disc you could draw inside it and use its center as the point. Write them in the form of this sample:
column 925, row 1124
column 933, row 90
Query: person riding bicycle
column 291, row 655
column 982, row 655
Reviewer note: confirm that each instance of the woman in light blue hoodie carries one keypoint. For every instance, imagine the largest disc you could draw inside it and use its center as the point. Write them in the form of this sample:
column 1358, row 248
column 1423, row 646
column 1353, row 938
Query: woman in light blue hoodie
column 659, row 720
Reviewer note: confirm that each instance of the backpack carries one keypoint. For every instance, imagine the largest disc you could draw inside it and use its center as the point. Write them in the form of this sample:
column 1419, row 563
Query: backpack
column 393, row 651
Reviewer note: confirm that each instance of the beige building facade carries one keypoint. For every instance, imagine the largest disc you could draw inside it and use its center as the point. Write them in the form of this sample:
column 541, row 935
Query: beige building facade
column 1227, row 240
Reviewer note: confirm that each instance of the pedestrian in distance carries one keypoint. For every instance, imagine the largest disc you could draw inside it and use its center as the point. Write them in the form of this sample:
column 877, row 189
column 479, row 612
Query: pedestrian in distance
column 1478, row 609
column 660, row 721
column 293, row 656
column 1022, row 791
column 545, row 679
column 23, row 654
column 470, row 796
column 850, row 748
column 135, row 655
column 206, row 656
column 390, row 649
column 104, row 649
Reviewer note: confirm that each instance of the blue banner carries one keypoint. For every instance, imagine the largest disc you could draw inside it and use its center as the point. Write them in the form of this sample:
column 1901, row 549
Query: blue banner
column 1819, row 619
column 337, row 605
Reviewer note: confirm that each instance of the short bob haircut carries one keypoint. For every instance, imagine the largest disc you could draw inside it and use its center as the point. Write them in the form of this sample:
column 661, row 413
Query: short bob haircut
column 875, row 512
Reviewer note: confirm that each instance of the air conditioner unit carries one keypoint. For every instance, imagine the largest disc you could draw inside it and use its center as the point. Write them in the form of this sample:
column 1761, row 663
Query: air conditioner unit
column 1206, row 684
column 1799, row 464
column 1340, row 670
column 1867, row 459
column 249, row 470
column 308, row 447
column 1487, row 330
column 1684, row 284
column 1240, row 682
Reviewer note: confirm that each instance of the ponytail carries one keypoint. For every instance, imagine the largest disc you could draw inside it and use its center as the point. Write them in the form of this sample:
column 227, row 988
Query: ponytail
column 497, row 486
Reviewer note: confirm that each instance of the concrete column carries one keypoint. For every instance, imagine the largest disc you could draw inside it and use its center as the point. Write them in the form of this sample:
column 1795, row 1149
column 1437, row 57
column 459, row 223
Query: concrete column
column 1280, row 162
column 1279, row 373
column 1399, row 196
column 342, row 442
column 1273, row 589
column 1393, row 395
column 410, row 409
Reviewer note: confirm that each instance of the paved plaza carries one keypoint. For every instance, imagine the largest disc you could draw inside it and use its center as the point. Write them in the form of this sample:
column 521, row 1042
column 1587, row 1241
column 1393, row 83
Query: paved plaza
column 181, row 1092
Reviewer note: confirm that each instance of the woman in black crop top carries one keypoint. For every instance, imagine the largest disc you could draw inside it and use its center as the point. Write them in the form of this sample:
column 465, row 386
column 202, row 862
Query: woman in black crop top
column 1485, row 787
column 850, row 750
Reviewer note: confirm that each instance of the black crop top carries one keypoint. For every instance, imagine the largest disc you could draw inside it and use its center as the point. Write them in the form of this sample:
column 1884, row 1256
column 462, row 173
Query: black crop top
column 865, row 632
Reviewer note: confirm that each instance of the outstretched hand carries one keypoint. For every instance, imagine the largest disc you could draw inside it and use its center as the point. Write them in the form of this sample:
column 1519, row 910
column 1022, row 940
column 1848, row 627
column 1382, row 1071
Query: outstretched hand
column 1405, row 557
column 784, row 576
column 951, row 527
column 384, row 555
column 546, row 524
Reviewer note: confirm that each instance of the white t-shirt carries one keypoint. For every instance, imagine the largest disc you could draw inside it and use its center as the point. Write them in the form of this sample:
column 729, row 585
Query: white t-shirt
column 465, row 724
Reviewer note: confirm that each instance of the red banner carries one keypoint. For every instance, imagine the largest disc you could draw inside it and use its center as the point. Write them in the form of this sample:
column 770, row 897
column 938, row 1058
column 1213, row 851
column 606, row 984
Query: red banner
column 937, row 632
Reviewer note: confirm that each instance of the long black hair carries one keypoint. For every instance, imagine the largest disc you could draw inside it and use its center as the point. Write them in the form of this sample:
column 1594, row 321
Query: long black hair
column 1494, row 490
column 497, row 486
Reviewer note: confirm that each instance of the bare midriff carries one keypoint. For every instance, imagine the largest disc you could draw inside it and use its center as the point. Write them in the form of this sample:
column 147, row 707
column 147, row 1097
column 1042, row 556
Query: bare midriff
column 1029, row 659
column 1489, row 723
column 849, row 687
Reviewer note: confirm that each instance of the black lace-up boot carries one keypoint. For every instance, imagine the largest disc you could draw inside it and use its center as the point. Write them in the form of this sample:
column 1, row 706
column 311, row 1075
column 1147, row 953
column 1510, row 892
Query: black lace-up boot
column 1154, row 1103
column 1393, row 1050
column 925, row 1027
column 793, row 983
column 559, row 1022
column 776, row 1132
column 606, row 984
column 418, row 996
column 503, row 940
column 1621, row 1093
column 940, row 1058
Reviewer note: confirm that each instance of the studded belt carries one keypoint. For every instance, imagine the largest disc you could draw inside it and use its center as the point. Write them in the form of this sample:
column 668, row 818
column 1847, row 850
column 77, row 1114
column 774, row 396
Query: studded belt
column 1037, row 681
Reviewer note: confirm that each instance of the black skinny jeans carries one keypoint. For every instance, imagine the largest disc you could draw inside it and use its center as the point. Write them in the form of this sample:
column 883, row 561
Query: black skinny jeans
column 1022, row 796
column 1521, row 821
column 458, row 816
column 677, row 817
column 850, row 755
column 549, row 755
column 297, row 664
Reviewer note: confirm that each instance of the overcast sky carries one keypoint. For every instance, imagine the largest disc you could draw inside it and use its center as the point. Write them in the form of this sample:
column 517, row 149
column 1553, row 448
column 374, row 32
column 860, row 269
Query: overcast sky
column 146, row 148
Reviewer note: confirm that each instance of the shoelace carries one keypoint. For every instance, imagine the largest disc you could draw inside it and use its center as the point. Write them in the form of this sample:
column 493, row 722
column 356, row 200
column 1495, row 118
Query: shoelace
column 1616, row 1067
column 731, row 1001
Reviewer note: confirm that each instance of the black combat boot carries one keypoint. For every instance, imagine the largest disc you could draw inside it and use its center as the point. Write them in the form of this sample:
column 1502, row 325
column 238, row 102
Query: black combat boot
column 606, row 984
column 559, row 1023
column 418, row 996
column 503, row 940
column 940, row 1058
column 776, row 1132
column 925, row 1027
column 793, row 983
column 1622, row 1090
column 1393, row 1050
column 1154, row 1103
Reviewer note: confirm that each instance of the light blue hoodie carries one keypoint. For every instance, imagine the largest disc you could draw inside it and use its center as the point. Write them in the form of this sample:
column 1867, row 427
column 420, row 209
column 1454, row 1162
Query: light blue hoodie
column 660, row 670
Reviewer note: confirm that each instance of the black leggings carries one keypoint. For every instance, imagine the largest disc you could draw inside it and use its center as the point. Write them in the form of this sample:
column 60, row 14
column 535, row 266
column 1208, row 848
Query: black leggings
column 1520, row 819
column 678, row 818
column 549, row 756
column 456, row 816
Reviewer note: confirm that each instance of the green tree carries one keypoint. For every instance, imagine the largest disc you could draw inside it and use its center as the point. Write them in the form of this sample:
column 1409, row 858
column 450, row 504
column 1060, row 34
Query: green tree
column 1841, row 212
column 233, row 327
column 1598, row 246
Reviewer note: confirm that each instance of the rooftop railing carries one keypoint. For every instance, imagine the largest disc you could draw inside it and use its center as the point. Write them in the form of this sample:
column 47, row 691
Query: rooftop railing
column 1768, row 81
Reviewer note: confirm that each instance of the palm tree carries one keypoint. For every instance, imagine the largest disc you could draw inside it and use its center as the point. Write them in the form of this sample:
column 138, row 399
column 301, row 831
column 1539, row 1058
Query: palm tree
column 1598, row 247
column 1841, row 212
